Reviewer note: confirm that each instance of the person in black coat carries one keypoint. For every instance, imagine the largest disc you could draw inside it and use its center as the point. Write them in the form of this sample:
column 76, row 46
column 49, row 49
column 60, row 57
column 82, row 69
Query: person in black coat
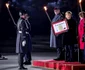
column 70, row 37
column 23, row 41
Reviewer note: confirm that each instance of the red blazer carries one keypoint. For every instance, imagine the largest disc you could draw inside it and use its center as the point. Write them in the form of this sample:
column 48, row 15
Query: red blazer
column 80, row 33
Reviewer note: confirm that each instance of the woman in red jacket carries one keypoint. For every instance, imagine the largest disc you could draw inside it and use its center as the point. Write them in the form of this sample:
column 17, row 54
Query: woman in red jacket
column 80, row 36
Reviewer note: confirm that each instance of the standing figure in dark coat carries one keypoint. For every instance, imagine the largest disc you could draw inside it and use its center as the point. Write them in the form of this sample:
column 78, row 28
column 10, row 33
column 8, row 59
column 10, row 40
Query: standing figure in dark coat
column 56, row 41
column 70, row 36
column 23, row 42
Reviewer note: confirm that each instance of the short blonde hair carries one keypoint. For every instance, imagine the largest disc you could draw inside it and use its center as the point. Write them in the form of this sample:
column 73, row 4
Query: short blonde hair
column 82, row 14
column 68, row 12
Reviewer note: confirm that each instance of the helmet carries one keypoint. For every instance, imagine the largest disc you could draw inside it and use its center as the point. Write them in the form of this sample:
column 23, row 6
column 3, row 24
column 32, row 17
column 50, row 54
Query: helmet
column 22, row 12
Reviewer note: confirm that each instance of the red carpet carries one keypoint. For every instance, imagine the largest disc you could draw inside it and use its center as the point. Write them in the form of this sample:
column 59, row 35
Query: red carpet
column 58, row 65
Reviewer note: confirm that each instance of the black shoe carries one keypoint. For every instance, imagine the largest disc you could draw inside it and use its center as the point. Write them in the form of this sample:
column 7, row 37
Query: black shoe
column 27, row 63
column 58, row 59
column 22, row 68
column 3, row 58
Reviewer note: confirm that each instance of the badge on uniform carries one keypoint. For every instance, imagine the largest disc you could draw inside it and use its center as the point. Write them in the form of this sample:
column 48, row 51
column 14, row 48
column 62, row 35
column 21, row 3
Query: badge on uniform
column 60, row 27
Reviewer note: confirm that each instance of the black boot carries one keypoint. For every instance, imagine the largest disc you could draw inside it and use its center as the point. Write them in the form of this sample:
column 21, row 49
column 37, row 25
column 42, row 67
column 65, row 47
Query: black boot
column 27, row 63
column 27, row 59
column 21, row 67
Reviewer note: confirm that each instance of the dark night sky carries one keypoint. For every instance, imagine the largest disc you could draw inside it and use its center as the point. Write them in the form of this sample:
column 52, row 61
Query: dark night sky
column 38, row 19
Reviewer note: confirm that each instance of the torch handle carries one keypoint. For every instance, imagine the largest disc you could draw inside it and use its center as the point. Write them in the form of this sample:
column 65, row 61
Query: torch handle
column 81, row 7
column 48, row 16
column 11, row 17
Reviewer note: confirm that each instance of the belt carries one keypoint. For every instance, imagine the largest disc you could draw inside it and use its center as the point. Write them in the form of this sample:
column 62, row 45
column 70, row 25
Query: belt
column 20, row 32
column 25, row 32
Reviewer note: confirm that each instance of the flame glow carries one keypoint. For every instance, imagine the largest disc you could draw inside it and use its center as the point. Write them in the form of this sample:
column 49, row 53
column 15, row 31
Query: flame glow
column 80, row 1
column 45, row 8
column 7, row 5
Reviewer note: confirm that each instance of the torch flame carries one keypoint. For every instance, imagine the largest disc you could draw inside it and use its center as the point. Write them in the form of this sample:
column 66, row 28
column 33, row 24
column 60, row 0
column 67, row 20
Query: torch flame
column 45, row 8
column 80, row 1
column 7, row 5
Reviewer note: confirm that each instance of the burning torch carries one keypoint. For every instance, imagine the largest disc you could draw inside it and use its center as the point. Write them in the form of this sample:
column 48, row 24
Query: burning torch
column 80, row 1
column 45, row 8
column 7, row 5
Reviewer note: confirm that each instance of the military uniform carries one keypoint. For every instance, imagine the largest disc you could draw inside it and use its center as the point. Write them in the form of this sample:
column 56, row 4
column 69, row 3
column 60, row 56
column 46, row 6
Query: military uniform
column 23, row 41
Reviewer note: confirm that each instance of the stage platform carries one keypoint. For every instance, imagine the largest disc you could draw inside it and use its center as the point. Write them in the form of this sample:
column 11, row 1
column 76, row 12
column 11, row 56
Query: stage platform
column 58, row 65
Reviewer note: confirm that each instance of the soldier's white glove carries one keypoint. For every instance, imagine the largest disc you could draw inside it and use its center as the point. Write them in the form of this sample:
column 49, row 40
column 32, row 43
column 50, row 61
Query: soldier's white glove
column 20, row 31
column 23, row 43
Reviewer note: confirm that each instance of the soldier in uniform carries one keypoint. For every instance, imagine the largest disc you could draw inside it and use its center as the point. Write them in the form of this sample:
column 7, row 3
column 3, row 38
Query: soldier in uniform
column 56, row 41
column 23, row 41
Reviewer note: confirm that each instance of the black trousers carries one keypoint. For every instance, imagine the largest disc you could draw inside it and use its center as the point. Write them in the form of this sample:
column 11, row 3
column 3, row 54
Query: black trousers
column 27, row 57
column 59, row 48
column 23, row 57
column 82, row 56
column 69, row 53
column 20, row 59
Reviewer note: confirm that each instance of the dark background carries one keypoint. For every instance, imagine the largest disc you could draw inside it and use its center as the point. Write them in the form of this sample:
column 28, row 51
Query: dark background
column 38, row 19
